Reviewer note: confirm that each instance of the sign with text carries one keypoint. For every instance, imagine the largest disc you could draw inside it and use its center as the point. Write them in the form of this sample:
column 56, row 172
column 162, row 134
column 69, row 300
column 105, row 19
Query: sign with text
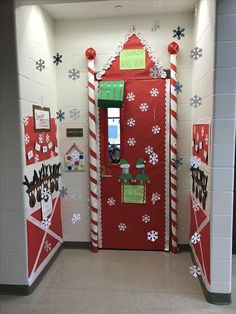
column 135, row 194
column 132, row 59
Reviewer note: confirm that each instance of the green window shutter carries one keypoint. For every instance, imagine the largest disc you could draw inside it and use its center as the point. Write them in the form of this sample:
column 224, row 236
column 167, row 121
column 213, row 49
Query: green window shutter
column 110, row 94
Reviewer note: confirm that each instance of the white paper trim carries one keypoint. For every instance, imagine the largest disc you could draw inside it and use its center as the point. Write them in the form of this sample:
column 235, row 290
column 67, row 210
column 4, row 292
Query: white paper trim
column 167, row 168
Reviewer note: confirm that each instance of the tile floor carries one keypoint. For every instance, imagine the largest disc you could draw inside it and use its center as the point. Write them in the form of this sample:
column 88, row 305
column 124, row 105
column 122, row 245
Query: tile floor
column 117, row 282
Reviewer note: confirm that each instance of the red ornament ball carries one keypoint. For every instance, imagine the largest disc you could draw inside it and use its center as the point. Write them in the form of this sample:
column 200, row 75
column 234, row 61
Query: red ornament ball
column 173, row 48
column 90, row 54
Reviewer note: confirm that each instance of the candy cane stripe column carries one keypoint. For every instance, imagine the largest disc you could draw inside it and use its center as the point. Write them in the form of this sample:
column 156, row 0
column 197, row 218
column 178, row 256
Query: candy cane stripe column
column 93, row 174
column 173, row 49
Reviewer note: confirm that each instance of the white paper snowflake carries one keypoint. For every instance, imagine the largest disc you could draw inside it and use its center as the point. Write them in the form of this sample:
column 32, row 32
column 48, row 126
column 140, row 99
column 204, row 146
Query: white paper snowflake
column 146, row 218
column 143, row 107
column 153, row 158
column 46, row 222
column 155, row 198
column 74, row 74
column 195, row 271
column 154, row 92
column 40, row 64
column 26, row 120
column 122, row 227
column 148, row 150
column 156, row 129
column 131, row 141
column 26, row 139
column 152, row 235
column 195, row 238
column 195, row 101
column 195, row 162
column 195, row 206
column 36, row 158
column 45, row 193
column 130, row 96
column 111, row 201
column 40, row 139
column 47, row 246
column 131, row 122
column 74, row 114
column 75, row 218
column 196, row 53
column 47, row 138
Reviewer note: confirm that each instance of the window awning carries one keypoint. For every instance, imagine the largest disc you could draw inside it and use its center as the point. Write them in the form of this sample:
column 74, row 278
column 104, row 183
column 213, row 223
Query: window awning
column 110, row 94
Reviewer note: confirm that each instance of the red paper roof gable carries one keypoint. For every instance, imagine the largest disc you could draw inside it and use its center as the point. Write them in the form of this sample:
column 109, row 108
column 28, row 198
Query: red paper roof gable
column 133, row 40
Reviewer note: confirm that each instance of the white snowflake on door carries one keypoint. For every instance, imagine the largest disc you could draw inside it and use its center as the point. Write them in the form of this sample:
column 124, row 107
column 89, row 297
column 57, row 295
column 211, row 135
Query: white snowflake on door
column 153, row 158
column 76, row 218
column 195, row 238
column 195, row 271
column 122, row 227
column 155, row 198
column 148, row 150
column 40, row 139
column 47, row 138
column 47, row 246
column 26, row 120
column 131, row 141
column 45, row 193
column 111, row 201
column 26, row 139
column 36, row 158
column 143, row 107
column 195, row 206
column 130, row 96
column 154, row 92
column 46, row 222
column 156, row 129
column 152, row 235
column 146, row 218
column 131, row 122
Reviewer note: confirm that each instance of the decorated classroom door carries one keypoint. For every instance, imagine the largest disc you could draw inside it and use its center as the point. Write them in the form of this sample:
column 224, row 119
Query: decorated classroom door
column 134, row 169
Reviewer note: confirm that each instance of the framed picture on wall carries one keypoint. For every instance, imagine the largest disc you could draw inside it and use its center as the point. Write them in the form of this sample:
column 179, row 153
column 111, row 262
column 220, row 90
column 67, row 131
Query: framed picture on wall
column 42, row 118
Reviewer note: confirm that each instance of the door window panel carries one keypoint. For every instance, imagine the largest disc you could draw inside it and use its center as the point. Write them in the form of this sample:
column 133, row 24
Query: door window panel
column 113, row 117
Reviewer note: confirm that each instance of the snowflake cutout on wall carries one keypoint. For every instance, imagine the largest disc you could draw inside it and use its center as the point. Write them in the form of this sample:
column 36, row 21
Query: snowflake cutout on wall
column 195, row 101
column 156, row 129
column 40, row 138
column 178, row 88
column 111, row 201
column 40, row 65
column 130, row 96
column 60, row 115
column 57, row 58
column 178, row 32
column 152, row 235
column 195, row 271
column 26, row 139
column 178, row 161
column 26, row 120
column 131, row 122
column 47, row 138
column 74, row 74
column 153, row 158
column 156, row 26
column 195, row 206
column 155, row 198
column 63, row 192
column 155, row 72
column 143, row 107
column 47, row 246
column 195, row 238
column 75, row 114
column 149, row 150
column 131, row 141
column 36, row 158
column 122, row 227
column 196, row 53
column 195, row 162
column 76, row 218
column 154, row 92
column 45, row 193
column 46, row 222
column 146, row 218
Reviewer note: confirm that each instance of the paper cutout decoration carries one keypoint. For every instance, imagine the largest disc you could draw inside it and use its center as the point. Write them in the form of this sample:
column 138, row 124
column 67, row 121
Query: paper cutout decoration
column 200, row 141
column 195, row 101
column 195, row 271
column 199, row 185
column 74, row 74
column 135, row 194
column 111, row 201
column 60, row 115
column 156, row 26
column 178, row 88
column 74, row 114
column 196, row 53
column 75, row 159
column 179, row 32
column 40, row 65
column 111, row 94
column 132, row 59
column 57, row 58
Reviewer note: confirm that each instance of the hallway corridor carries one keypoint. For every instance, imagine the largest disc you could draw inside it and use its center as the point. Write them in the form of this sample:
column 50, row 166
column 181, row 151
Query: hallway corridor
column 117, row 282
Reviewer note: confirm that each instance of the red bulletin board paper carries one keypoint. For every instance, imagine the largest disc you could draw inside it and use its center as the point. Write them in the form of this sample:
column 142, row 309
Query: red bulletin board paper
column 39, row 146
column 201, row 139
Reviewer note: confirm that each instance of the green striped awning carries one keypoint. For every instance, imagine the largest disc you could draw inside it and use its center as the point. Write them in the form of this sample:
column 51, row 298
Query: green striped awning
column 110, row 94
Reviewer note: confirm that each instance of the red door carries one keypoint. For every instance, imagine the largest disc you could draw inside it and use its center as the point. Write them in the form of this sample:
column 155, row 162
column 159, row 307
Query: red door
column 134, row 169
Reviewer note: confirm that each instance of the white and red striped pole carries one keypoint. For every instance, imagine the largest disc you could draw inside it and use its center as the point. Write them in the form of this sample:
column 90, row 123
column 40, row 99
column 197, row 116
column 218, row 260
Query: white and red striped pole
column 173, row 49
column 93, row 180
